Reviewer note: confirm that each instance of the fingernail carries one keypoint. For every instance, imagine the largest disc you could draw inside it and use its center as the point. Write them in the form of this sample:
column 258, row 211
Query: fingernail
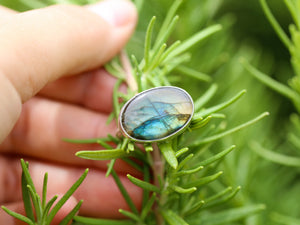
column 116, row 12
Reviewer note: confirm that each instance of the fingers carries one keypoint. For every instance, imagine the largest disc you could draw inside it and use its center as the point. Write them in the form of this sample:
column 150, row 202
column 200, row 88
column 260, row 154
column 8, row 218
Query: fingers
column 101, row 196
column 44, row 123
column 93, row 90
column 5, row 14
column 47, row 43
column 39, row 46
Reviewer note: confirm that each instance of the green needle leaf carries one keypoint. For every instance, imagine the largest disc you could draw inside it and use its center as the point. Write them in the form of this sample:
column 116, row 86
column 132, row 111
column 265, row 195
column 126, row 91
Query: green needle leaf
column 148, row 206
column 110, row 167
column 169, row 50
column 169, row 20
column 294, row 140
column 94, row 221
column 133, row 163
column 194, row 40
column 104, row 144
column 168, row 153
column 280, row 32
column 18, row 216
column 173, row 218
column 125, row 143
column 44, row 190
column 143, row 184
column 225, row 133
column 291, row 6
column 275, row 85
column 184, row 161
column 116, row 97
column 48, row 207
column 195, row 124
column 204, row 180
column 181, row 151
column 200, row 102
column 194, row 208
column 227, row 216
column 182, row 190
column 223, row 200
column 275, row 157
column 85, row 141
column 102, row 154
column 193, row 73
column 113, row 139
column 124, row 192
column 137, row 73
column 191, row 171
column 71, row 214
column 36, row 203
column 217, row 156
column 146, row 173
column 219, row 195
column 156, row 59
column 284, row 220
column 66, row 196
column 130, row 215
column 221, row 106
column 26, row 199
column 166, row 33
column 27, row 175
column 148, row 42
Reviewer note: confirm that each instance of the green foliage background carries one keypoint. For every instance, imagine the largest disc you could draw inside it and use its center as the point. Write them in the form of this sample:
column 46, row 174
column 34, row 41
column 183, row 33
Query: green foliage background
column 246, row 34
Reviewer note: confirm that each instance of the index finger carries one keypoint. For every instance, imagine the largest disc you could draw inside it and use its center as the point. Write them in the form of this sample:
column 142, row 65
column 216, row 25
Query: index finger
column 39, row 46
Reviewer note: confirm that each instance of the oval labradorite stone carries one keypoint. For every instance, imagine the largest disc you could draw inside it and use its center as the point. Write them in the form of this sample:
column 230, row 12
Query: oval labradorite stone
column 156, row 114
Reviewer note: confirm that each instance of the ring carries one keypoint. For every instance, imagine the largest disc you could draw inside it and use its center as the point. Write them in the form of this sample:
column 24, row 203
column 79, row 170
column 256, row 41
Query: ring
column 156, row 114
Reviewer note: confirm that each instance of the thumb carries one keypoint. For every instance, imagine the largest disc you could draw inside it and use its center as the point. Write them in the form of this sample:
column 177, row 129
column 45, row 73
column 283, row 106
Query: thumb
column 39, row 46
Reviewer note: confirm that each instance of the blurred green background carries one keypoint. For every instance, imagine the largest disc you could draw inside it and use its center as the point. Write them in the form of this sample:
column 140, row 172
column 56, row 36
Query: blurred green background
column 246, row 34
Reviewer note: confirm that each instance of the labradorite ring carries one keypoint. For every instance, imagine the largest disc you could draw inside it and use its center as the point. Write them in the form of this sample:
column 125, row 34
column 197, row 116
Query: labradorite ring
column 156, row 114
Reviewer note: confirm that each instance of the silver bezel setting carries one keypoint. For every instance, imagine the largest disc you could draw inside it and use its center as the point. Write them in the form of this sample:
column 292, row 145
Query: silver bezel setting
column 160, row 139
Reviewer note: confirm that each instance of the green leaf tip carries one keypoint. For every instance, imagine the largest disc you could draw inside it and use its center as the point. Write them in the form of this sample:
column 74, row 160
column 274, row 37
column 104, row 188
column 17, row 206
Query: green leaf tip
column 17, row 216
column 227, row 132
column 143, row 184
column 190, row 42
column 98, row 221
column 173, row 218
column 221, row 106
column 276, row 157
column 280, row 32
column 271, row 83
column 67, row 195
column 182, row 190
column 102, row 154
column 169, row 154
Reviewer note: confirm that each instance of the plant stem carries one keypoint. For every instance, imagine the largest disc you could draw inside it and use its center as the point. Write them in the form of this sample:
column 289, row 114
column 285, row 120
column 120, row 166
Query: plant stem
column 128, row 71
column 158, row 174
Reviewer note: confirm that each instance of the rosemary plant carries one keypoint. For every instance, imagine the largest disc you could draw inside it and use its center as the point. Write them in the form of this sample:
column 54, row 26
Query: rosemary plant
column 182, row 181
column 43, row 212
column 292, row 90
column 180, row 189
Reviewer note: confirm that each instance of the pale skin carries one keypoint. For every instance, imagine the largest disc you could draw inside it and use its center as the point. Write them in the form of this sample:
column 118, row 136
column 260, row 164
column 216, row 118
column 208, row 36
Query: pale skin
column 52, row 86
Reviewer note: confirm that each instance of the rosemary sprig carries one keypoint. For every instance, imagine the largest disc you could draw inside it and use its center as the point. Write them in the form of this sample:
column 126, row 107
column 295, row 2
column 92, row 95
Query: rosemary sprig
column 42, row 209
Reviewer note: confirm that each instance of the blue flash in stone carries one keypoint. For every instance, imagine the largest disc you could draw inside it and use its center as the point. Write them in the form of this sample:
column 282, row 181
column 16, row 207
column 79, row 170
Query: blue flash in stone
column 156, row 114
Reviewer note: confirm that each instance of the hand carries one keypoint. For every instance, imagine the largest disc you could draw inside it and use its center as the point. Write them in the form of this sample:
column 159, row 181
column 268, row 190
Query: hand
column 41, row 103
